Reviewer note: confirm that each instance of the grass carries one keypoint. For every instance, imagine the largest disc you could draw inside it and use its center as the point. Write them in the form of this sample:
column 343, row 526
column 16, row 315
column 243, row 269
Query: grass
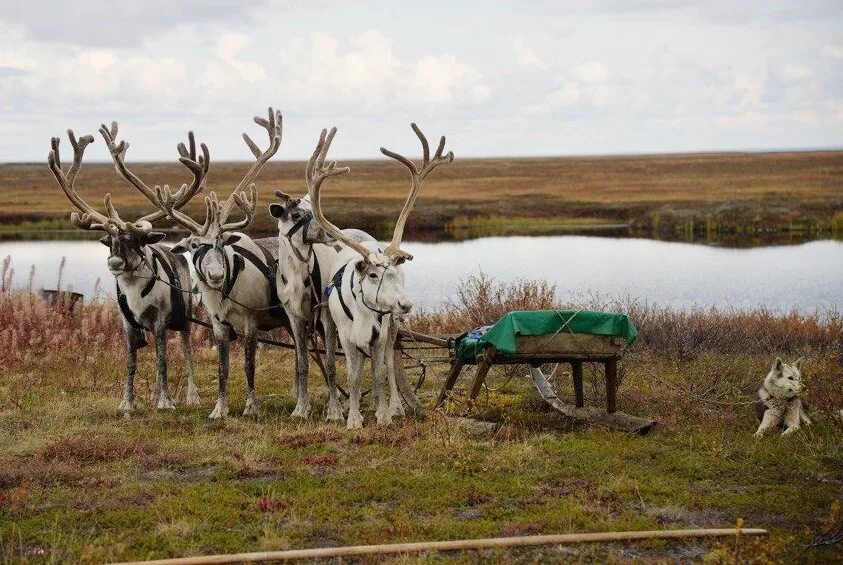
column 705, row 195
column 78, row 483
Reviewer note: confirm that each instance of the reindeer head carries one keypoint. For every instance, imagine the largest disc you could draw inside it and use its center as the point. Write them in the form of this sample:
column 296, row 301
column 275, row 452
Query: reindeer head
column 125, row 239
column 208, row 240
column 296, row 222
column 784, row 381
column 377, row 277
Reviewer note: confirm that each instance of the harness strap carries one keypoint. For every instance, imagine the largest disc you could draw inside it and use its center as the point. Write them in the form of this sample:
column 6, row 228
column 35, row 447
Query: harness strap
column 123, row 302
column 337, row 282
column 153, row 279
column 300, row 224
column 197, row 260
column 315, row 280
column 234, row 272
column 178, row 312
column 275, row 308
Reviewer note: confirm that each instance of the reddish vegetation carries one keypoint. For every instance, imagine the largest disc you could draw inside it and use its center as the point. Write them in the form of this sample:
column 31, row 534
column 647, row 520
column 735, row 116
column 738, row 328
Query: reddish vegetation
column 321, row 460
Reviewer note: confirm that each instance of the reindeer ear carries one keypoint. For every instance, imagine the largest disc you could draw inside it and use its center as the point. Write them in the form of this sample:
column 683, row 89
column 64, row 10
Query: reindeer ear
column 154, row 237
column 230, row 238
column 798, row 363
column 276, row 211
column 777, row 365
column 106, row 240
column 181, row 246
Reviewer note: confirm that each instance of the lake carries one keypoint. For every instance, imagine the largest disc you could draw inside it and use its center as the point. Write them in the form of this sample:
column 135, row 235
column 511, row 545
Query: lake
column 807, row 276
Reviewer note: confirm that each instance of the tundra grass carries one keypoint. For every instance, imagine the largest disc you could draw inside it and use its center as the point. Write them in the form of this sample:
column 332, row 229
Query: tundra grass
column 78, row 483
column 706, row 194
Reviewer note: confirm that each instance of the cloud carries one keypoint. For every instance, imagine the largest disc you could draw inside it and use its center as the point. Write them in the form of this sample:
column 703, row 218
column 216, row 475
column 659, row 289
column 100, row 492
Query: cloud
column 832, row 51
column 118, row 24
column 364, row 73
column 526, row 57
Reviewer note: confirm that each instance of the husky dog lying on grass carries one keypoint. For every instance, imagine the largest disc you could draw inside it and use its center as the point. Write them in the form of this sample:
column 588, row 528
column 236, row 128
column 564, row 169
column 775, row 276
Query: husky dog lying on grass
column 779, row 403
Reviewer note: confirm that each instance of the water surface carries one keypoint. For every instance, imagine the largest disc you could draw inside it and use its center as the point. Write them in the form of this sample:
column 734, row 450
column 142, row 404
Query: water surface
column 807, row 276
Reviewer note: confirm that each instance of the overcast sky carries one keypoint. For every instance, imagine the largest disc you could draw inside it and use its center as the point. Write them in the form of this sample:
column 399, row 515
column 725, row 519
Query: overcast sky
column 498, row 78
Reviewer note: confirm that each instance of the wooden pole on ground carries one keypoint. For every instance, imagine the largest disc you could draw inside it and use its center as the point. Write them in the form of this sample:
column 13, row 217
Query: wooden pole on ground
column 454, row 545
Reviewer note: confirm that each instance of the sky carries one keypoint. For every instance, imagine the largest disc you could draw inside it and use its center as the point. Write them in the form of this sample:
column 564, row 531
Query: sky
column 498, row 78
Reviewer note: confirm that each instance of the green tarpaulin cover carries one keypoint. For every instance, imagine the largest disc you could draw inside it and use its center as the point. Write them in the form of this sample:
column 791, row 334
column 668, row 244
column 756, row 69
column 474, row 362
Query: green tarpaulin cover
column 542, row 322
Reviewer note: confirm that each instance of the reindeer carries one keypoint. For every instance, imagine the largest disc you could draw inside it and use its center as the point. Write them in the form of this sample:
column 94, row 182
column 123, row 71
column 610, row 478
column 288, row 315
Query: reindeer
column 366, row 295
column 236, row 274
column 148, row 276
column 305, row 257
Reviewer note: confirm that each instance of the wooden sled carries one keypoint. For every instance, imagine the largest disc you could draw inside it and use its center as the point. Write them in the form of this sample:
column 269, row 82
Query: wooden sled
column 563, row 347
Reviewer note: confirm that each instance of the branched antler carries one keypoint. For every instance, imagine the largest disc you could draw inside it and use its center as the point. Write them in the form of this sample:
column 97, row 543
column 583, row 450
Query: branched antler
column 417, row 177
column 198, row 166
column 216, row 212
column 315, row 173
column 89, row 219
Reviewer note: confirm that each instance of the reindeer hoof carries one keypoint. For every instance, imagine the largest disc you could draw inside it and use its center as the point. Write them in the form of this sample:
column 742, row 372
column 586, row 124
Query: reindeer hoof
column 789, row 431
column 192, row 396
column 354, row 422
column 396, row 409
column 251, row 408
column 165, row 402
column 302, row 410
column 383, row 417
column 334, row 412
column 220, row 411
column 126, row 405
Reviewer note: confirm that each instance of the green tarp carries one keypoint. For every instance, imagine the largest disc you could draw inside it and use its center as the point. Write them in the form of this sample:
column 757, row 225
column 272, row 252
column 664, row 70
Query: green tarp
column 542, row 322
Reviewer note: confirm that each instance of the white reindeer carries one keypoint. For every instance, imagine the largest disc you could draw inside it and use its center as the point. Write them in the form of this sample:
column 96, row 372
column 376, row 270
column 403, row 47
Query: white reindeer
column 148, row 276
column 366, row 294
column 305, row 257
column 236, row 274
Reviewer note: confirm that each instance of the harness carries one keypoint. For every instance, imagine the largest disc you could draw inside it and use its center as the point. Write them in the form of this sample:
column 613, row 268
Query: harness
column 336, row 283
column 302, row 223
column 268, row 268
column 177, row 319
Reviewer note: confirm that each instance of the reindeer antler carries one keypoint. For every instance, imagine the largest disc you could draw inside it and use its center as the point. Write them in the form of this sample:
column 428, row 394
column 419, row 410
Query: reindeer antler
column 198, row 166
column 216, row 212
column 417, row 177
column 315, row 173
column 89, row 219
column 274, row 128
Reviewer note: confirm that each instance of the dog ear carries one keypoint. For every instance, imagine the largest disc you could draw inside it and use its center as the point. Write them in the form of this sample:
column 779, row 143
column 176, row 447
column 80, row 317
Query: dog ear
column 777, row 366
column 798, row 363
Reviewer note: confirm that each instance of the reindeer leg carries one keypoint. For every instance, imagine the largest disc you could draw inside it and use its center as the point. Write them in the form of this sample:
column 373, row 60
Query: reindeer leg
column 250, row 351
column 302, row 409
column 354, row 361
column 127, row 404
column 221, row 408
column 382, row 413
column 334, row 412
column 396, row 408
column 192, row 392
column 165, row 401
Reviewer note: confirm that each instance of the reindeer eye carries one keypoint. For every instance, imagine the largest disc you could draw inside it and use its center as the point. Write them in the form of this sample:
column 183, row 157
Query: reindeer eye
column 373, row 276
column 297, row 215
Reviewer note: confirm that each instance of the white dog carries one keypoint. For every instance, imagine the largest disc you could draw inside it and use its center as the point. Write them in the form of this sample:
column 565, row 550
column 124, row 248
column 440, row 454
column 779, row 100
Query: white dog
column 779, row 398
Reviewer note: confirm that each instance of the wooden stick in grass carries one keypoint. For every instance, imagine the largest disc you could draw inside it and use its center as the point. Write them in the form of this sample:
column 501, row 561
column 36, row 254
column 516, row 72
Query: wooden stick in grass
column 453, row 545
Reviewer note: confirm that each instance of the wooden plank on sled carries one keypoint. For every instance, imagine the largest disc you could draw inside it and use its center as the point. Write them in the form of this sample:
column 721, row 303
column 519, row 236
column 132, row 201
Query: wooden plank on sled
column 572, row 345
